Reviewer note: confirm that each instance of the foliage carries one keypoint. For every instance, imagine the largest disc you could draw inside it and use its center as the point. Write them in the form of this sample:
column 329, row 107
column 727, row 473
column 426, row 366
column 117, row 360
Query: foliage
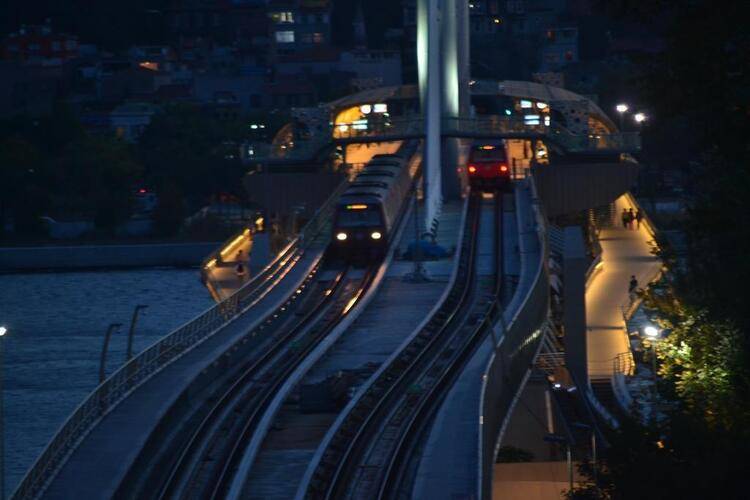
column 196, row 153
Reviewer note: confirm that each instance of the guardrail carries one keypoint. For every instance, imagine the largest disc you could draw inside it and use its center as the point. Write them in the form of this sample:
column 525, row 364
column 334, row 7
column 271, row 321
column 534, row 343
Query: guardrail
column 156, row 357
column 492, row 125
column 509, row 365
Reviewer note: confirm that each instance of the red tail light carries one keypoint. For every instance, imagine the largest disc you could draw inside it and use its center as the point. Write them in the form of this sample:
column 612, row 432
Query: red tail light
column 472, row 169
column 503, row 167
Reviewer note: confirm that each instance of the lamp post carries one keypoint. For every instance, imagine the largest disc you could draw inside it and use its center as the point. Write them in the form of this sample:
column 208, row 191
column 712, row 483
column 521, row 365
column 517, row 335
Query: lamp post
column 622, row 109
column 112, row 327
column 131, row 332
column 556, row 438
column 652, row 334
column 581, row 425
column 3, row 331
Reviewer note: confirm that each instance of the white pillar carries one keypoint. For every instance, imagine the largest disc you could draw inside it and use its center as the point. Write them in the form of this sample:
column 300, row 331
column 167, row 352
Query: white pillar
column 428, row 59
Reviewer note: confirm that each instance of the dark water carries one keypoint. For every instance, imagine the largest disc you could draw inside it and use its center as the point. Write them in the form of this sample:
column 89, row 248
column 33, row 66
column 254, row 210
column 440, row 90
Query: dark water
column 56, row 325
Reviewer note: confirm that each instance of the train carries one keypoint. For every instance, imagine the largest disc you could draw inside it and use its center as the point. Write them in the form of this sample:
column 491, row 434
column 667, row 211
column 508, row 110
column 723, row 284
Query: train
column 367, row 213
column 488, row 166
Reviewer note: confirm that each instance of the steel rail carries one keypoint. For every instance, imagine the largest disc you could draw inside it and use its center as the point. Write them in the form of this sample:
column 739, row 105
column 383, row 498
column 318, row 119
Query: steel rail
column 412, row 433
column 328, row 480
column 163, row 352
column 222, row 482
column 237, row 389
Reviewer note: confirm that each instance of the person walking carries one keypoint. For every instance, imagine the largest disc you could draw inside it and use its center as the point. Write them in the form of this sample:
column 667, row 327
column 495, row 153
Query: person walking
column 240, row 271
column 625, row 218
column 639, row 217
column 633, row 285
column 631, row 218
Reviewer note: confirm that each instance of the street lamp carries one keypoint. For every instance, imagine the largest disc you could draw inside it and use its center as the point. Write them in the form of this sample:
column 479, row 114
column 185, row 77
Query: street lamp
column 640, row 117
column 652, row 334
column 131, row 332
column 622, row 109
column 556, row 438
column 112, row 327
column 3, row 331
column 581, row 425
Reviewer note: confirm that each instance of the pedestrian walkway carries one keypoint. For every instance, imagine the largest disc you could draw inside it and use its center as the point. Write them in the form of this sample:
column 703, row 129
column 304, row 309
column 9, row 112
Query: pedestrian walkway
column 220, row 272
column 625, row 252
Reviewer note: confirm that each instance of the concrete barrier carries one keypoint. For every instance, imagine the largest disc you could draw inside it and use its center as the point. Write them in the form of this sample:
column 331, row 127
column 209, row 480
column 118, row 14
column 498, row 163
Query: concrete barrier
column 81, row 257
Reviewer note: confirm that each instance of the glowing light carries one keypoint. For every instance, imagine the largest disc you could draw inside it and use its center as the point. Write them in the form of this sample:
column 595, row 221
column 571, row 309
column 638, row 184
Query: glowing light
column 546, row 121
column 503, row 168
column 622, row 108
column 508, row 112
column 488, row 148
column 541, row 105
column 343, row 127
column 498, row 20
column 557, row 385
column 3, row 331
column 651, row 331
column 341, row 236
column 640, row 117
column 376, row 235
column 366, row 109
column 380, row 108
column 211, row 263
column 525, row 104
column 472, row 169
column 356, row 207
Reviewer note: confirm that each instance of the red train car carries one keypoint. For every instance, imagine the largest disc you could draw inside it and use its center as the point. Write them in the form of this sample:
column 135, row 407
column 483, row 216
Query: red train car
column 488, row 166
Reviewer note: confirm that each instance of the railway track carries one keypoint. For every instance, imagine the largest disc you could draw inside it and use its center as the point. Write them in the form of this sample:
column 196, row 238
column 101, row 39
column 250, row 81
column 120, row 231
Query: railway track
column 373, row 452
column 204, row 467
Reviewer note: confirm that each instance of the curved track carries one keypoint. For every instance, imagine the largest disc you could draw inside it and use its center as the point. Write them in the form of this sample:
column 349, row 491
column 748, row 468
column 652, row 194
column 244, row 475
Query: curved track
column 372, row 454
column 205, row 465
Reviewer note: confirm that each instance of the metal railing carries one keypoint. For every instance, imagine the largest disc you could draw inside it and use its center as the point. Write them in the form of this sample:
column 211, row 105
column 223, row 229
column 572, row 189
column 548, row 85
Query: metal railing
column 509, row 365
column 156, row 357
column 492, row 126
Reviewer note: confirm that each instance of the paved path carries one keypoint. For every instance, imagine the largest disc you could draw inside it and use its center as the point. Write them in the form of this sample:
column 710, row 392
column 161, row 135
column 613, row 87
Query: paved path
column 625, row 252
column 222, row 277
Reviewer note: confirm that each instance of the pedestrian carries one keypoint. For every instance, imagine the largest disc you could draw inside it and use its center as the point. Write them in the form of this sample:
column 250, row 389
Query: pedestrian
column 240, row 271
column 631, row 217
column 633, row 285
column 625, row 218
column 238, row 256
column 639, row 217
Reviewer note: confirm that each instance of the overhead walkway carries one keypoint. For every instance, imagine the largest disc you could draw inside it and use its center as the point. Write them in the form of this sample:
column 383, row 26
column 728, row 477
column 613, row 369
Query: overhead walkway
column 625, row 252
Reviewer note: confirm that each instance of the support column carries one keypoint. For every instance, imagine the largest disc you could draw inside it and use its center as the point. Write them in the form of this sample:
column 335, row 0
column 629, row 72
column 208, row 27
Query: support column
column 428, row 58
column 575, row 265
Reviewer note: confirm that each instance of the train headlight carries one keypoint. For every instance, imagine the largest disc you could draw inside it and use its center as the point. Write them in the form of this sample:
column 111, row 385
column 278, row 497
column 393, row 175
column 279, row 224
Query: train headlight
column 376, row 235
column 341, row 236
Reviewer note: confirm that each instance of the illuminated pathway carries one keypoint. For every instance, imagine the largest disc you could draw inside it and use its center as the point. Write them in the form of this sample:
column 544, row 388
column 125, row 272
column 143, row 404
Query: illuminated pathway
column 624, row 253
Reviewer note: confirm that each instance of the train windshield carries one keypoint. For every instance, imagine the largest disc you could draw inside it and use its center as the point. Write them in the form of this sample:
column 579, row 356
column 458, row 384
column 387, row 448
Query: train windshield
column 488, row 153
column 359, row 218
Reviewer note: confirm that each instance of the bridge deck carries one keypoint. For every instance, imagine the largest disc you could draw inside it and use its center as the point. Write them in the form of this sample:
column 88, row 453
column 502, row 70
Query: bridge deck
column 625, row 252
column 394, row 314
column 100, row 462
column 449, row 465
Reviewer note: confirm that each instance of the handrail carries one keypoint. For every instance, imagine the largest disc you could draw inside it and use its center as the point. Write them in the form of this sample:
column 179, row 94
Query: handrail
column 522, row 335
column 492, row 125
column 156, row 357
